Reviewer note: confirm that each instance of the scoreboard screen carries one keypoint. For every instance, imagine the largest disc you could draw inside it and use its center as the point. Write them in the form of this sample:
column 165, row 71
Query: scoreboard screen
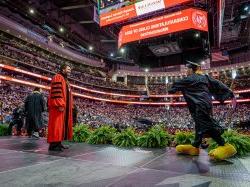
column 114, row 11
column 187, row 19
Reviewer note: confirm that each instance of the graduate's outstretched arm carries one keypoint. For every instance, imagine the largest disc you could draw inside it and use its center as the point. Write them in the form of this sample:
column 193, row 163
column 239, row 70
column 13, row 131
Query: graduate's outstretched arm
column 179, row 85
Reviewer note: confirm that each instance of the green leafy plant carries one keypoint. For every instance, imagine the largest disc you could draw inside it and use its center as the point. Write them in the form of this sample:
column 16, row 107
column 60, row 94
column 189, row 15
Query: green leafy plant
column 156, row 137
column 183, row 138
column 4, row 130
column 81, row 133
column 126, row 138
column 239, row 141
column 102, row 135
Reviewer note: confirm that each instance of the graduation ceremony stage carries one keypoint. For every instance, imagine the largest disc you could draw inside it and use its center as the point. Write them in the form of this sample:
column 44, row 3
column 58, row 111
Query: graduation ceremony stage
column 27, row 162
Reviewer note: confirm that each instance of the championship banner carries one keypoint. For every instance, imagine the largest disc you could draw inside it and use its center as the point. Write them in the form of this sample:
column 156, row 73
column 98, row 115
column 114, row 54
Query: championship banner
column 162, row 25
column 137, row 9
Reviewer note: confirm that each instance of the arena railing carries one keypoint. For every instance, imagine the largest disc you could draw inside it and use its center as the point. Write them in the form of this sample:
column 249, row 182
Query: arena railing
column 100, row 92
column 85, row 83
column 27, row 83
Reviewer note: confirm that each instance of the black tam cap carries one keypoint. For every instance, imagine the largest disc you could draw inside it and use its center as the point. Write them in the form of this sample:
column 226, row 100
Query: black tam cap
column 192, row 65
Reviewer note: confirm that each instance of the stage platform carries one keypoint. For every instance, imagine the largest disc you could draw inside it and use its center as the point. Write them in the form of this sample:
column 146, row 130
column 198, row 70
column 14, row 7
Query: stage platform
column 27, row 162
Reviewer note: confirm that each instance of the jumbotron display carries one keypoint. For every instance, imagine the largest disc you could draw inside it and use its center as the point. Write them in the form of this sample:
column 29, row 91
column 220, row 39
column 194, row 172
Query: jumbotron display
column 162, row 25
column 114, row 11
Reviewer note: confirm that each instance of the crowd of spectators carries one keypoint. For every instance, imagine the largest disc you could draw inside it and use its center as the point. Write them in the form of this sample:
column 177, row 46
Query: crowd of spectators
column 27, row 46
column 174, row 117
column 48, row 64
column 96, row 113
column 155, row 89
column 31, row 55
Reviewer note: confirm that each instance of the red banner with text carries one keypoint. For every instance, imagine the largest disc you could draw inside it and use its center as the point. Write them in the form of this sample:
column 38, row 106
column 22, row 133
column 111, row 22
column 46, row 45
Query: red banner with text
column 162, row 25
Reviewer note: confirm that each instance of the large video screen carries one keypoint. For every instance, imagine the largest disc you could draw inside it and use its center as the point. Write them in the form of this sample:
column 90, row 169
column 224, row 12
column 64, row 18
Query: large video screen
column 162, row 25
column 109, row 5
column 113, row 11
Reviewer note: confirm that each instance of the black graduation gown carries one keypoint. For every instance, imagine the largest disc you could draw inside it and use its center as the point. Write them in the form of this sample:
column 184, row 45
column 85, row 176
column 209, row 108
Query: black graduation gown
column 198, row 90
column 34, row 106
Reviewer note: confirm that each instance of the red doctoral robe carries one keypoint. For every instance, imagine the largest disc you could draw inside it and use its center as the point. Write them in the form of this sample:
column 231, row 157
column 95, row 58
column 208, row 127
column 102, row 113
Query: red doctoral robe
column 60, row 123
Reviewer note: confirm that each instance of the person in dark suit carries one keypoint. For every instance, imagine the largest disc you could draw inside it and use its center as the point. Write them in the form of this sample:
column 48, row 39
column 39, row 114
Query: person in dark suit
column 34, row 106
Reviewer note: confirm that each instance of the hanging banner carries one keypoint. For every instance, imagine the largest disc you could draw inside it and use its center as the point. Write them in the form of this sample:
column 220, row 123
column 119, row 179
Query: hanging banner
column 115, row 13
column 162, row 25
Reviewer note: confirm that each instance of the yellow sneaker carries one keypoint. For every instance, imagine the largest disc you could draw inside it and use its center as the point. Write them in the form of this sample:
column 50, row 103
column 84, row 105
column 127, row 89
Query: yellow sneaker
column 222, row 152
column 187, row 149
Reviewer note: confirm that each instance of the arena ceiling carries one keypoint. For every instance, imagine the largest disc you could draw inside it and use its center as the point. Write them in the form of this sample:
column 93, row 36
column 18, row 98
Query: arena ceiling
column 236, row 27
column 75, row 16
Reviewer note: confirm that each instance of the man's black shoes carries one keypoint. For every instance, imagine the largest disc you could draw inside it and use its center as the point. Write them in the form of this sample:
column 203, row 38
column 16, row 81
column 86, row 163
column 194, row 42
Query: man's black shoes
column 64, row 146
column 55, row 147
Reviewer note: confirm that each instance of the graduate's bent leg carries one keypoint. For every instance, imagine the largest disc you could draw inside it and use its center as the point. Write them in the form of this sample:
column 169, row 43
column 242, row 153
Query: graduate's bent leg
column 216, row 135
column 197, row 139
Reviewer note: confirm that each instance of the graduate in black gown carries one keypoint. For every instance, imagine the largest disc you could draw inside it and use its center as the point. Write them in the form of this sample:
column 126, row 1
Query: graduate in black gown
column 198, row 90
column 34, row 106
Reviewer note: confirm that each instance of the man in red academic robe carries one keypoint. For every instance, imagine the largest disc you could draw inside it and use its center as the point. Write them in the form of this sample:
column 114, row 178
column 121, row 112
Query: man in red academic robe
column 60, row 104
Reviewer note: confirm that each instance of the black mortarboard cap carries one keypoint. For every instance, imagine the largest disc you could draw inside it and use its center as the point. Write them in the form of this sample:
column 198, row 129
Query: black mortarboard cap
column 192, row 65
